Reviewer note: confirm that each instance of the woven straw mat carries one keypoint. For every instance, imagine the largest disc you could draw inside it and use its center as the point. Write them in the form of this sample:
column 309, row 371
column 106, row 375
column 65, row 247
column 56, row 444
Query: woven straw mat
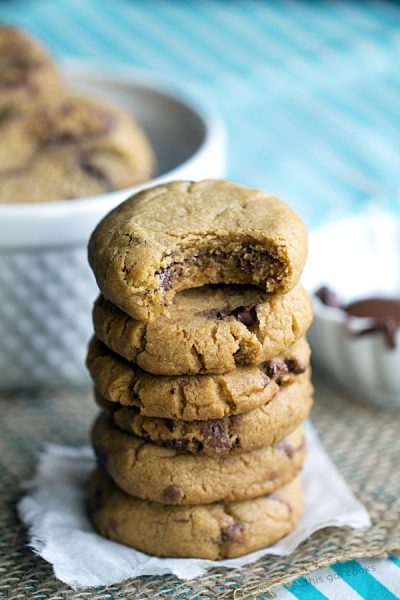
column 364, row 442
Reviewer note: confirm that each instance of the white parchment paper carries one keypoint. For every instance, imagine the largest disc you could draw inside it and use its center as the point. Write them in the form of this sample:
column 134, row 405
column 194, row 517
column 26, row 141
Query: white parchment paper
column 54, row 509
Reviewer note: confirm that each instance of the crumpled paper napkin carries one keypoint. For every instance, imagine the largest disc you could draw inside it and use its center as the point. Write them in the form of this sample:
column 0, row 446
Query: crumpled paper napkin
column 60, row 531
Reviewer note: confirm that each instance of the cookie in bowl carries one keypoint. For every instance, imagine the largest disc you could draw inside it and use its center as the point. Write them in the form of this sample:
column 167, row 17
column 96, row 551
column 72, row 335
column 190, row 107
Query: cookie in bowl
column 71, row 147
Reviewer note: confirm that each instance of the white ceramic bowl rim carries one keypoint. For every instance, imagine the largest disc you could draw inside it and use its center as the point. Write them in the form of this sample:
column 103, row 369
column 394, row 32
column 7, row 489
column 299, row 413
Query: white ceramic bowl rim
column 15, row 219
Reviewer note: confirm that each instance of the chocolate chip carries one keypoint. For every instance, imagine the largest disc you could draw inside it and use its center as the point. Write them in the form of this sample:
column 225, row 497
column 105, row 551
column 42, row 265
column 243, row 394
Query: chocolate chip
column 232, row 533
column 173, row 391
column 246, row 314
column 273, row 368
column 287, row 448
column 235, row 420
column 170, row 424
column 167, row 276
column 171, row 494
column 215, row 435
column 294, row 366
column 179, row 444
column 96, row 172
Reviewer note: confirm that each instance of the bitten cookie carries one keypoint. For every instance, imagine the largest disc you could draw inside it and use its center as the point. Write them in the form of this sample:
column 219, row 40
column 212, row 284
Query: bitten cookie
column 263, row 426
column 212, row 531
column 69, row 147
column 209, row 329
column 184, row 235
column 164, row 475
column 193, row 397
column 26, row 72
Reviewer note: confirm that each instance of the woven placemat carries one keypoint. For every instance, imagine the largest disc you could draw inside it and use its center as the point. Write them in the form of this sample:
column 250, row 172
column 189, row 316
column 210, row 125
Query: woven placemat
column 363, row 441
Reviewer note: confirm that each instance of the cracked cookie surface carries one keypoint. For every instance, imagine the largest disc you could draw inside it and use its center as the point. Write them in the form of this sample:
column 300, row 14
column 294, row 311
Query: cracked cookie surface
column 68, row 147
column 213, row 531
column 263, row 426
column 193, row 397
column 159, row 474
column 184, row 235
column 209, row 329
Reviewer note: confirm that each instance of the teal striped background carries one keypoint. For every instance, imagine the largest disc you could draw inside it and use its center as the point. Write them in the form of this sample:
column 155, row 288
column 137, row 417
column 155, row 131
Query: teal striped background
column 310, row 93
column 309, row 90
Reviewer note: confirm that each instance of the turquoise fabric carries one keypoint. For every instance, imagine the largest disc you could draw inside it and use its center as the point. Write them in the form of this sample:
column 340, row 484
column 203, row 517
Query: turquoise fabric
column 309, row 90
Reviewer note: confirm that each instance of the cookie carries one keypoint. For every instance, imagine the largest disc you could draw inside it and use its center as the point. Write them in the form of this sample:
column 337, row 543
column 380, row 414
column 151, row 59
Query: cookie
column 69, row 147
column 26, row 72
column 159, row 474
column 213, row 531
column 184, row 235
column 263, row 426
column 209, row 329
column 193, row 397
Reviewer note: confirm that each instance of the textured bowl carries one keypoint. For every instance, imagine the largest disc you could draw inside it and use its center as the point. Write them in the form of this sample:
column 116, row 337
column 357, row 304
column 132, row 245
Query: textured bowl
column 46, row 287
column 357, row 258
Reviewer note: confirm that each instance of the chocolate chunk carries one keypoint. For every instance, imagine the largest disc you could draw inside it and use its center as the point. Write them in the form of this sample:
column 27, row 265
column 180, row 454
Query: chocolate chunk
column 167, row 276
column 294, row 366
column 287, row 448
column 172, row 494
column 215, row 435
column 266, row 379
column 170, row 424
column 235, row 420
column 96, row 172
column 71, row 122
column 173, row 391
column 273, row 368
column 179, row 444
column 232, row 533
column 246, row 314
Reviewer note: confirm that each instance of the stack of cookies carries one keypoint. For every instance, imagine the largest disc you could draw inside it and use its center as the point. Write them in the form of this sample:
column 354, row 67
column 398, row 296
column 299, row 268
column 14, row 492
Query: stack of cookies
column 201, row 369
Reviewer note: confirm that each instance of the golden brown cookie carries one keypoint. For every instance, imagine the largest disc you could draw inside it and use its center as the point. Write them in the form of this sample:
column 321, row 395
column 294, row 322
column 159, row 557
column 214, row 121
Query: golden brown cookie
column 183, row 235
column 193, row 397
column 263, row 426
column 159, row 474
column 68, row 147
column 212, row 531
column 26, row 72
column 209, row 329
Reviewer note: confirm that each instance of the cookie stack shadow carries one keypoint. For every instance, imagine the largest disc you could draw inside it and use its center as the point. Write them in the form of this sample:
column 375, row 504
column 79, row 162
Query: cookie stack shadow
column 199, row 441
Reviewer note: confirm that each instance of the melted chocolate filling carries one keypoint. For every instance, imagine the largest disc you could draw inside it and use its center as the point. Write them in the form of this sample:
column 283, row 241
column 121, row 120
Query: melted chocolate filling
column 383, row 313
column 247, row 259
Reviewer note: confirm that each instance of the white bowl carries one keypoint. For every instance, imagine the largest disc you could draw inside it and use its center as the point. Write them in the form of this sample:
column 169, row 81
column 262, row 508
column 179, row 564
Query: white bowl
column 357, row 258
column 46, row 287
